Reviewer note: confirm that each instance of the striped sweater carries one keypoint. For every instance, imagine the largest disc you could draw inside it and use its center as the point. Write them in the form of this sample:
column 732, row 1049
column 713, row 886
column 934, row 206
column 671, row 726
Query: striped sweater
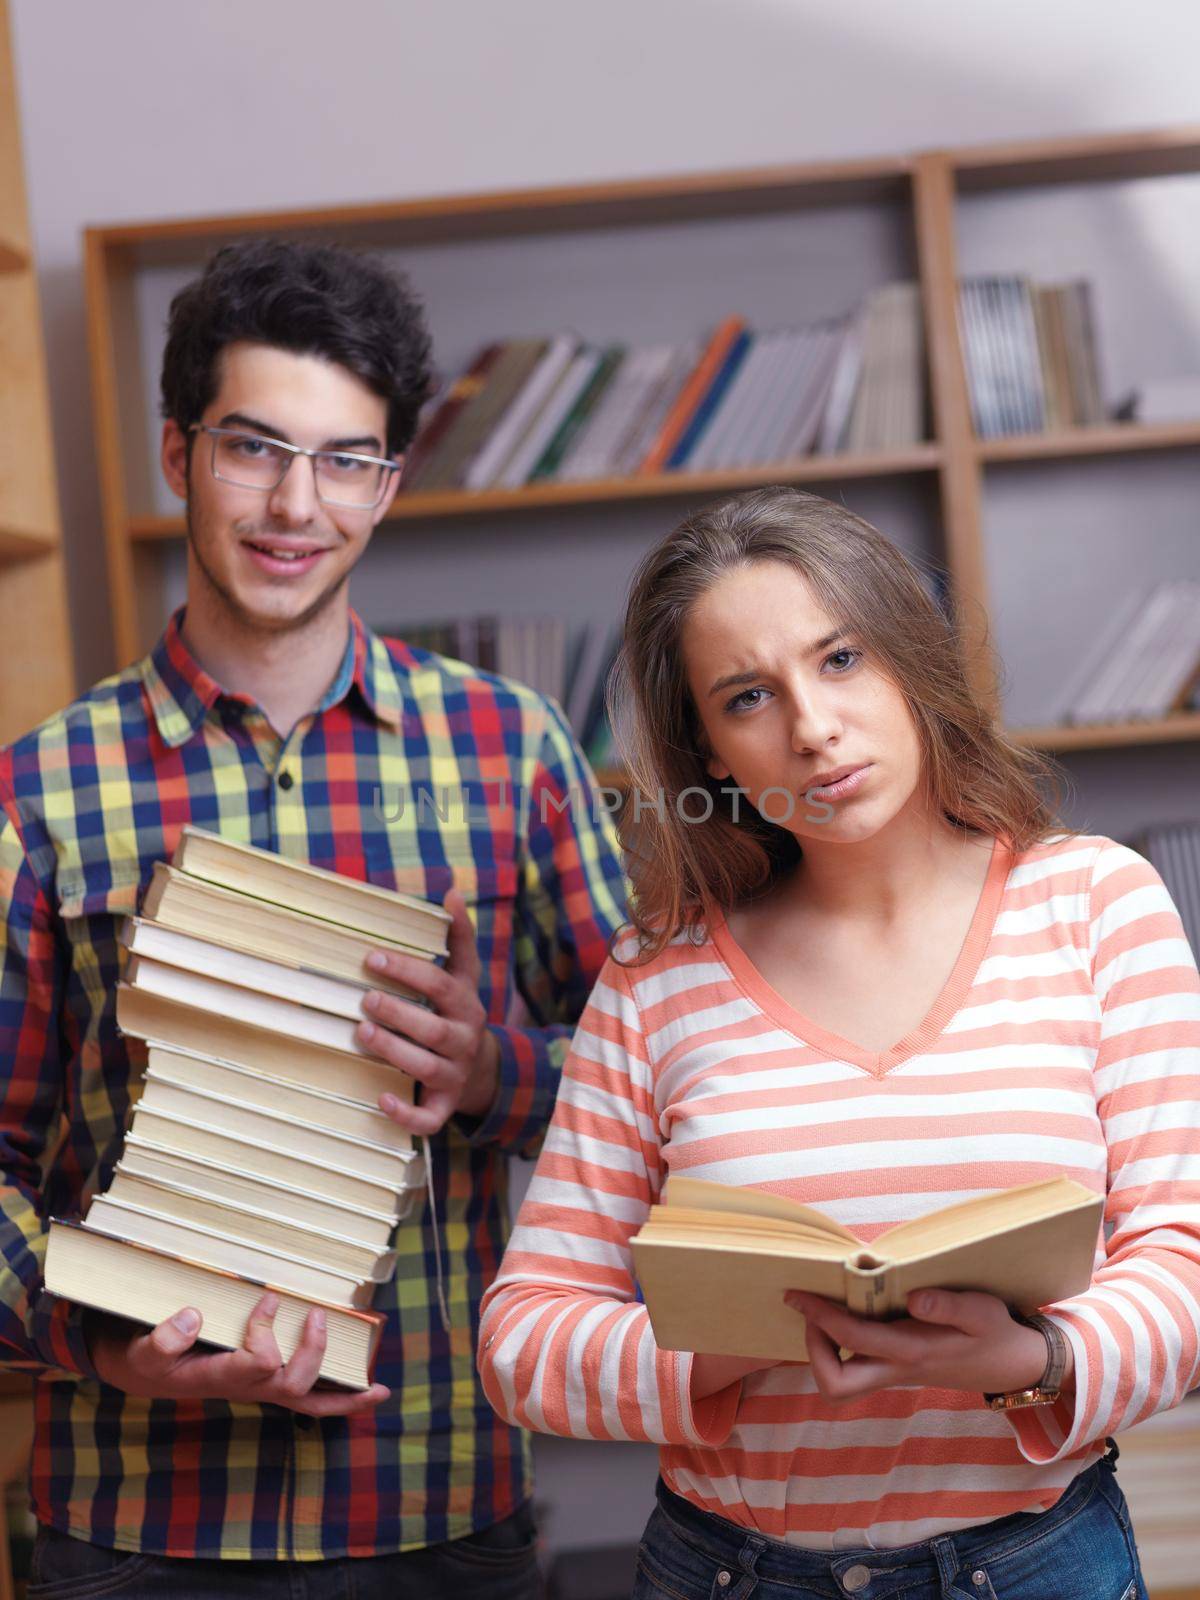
column 1066, row 1040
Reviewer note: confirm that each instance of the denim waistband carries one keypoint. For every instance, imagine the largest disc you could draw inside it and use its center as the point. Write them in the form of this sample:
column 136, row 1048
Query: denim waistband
column 727, row 1542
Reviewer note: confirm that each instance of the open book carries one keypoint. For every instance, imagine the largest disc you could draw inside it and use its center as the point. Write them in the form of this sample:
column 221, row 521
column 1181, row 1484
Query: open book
column 714, row 1261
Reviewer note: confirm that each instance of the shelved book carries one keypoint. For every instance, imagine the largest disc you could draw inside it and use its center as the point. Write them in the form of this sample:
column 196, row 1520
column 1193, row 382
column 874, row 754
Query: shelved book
column 257, row 1156
column 563, row 409
column 571, row 666
column 714, row 1260
column 1144, row 663
column 1031, row 355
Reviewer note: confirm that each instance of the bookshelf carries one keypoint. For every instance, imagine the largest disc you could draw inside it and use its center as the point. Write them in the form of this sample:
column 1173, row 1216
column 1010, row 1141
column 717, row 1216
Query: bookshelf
column 922, row 193
column 38, row 676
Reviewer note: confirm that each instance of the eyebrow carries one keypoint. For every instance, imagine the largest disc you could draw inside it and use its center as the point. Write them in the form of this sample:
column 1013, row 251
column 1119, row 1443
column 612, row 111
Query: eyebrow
column 737, row 678
column 241, row 419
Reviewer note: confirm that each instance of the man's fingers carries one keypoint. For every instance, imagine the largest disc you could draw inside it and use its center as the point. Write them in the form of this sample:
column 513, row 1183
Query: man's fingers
column 165, row 1344
column 339, row 1403
column 463, row 952
column 304, row 1364
column 259, row 1353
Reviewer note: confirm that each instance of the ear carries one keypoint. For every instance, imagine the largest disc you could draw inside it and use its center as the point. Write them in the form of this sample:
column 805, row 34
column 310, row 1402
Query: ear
column 393, row 488
column 174, row 458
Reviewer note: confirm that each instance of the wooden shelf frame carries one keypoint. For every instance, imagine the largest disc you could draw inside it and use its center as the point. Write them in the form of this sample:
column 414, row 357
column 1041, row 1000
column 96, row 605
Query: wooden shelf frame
column 39, row 674
column 926, row 184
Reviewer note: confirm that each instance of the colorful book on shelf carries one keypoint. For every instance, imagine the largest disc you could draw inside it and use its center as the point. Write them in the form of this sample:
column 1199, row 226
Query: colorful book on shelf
column 594, row 449
column 691, row 396
column 714, row 1260
column 504, row 382
column 574, row 379
column 506, row 436
column 435, row 435
column 1031, row 355
column 704, row 413
column 606, row 363
column 647, row 417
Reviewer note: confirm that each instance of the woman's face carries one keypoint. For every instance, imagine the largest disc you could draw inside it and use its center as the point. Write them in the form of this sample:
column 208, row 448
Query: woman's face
column 785, row 698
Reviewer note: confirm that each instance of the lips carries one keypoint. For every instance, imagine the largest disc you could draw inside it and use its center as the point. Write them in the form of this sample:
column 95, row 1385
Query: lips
column 835, row 775
column 281, row 559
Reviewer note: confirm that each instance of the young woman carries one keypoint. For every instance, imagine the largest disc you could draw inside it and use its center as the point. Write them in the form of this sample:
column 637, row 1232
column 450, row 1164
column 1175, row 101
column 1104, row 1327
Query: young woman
column 871, row 972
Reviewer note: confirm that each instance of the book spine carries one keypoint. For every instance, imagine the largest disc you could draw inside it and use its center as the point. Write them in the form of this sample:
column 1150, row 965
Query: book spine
column 692, row 395
column 705, row 412
column 465, row 389
column 516, row 421
column 588, row 396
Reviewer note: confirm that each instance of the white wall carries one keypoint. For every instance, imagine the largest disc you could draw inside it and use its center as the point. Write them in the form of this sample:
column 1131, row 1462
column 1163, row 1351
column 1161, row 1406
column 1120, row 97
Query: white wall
column 135, row 109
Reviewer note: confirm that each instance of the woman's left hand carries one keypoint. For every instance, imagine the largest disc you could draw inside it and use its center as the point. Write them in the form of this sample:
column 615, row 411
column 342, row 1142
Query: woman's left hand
column 949, row 1340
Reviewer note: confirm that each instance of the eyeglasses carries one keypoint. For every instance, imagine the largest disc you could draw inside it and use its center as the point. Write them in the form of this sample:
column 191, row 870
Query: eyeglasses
column 250, row 461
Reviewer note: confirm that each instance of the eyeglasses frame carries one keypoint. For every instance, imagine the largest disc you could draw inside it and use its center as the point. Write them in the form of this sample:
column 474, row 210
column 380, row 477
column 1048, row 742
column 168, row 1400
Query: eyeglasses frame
column 294, row 450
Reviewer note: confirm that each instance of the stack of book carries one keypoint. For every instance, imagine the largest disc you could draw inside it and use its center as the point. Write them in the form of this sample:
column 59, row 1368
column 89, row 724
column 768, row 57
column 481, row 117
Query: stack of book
column 257, row 1155
column 1031, row 356
column 528, row 411
column 1144, row 665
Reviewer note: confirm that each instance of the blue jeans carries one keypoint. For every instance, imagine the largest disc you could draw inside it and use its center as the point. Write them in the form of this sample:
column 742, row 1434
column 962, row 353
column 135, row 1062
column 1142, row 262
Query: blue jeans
column 1081, row 1549
column 499, row 1562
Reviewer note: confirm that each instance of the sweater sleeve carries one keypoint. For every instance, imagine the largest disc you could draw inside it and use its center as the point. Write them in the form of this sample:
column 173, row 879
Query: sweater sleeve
column 565, row 1346
column 1135, row 1333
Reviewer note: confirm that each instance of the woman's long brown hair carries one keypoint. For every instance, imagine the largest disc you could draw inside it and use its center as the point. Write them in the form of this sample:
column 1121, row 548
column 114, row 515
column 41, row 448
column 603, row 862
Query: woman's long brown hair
column 681, row 870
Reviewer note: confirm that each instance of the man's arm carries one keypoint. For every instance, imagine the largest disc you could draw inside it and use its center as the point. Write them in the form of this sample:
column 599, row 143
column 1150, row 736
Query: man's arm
column 37, row 1331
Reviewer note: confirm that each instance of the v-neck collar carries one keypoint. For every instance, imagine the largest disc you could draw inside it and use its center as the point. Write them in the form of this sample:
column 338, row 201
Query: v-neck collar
column 954, row 991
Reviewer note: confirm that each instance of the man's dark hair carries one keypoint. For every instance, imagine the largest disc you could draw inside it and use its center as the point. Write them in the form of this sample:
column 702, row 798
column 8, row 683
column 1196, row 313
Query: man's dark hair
column 314, row 299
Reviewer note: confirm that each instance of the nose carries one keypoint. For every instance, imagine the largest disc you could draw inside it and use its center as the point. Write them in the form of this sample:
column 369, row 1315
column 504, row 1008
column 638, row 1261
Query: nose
column 815, row 721
column 293, row 502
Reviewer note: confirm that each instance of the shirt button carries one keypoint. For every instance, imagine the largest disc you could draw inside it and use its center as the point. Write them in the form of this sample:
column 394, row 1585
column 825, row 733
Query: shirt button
column 286, row 780
column 856, row 1578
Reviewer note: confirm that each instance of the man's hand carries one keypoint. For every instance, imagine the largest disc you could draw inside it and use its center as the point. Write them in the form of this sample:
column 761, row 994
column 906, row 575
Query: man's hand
column 162, row 1365
column 448, row 1050
column 949, row 1340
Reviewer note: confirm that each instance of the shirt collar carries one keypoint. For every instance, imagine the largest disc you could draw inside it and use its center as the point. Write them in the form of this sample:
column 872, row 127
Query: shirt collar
column 181, row 693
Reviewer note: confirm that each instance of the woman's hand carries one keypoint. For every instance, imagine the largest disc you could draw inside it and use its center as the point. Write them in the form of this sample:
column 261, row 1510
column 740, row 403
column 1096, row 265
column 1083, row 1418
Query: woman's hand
column 949, row 1340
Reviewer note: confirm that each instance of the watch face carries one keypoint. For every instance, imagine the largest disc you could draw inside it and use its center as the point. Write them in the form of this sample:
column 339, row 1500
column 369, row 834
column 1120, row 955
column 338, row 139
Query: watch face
column 1019, row 1398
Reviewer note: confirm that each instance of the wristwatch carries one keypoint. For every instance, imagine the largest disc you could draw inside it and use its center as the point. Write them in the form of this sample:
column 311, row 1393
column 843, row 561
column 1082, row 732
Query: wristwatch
column 1049, row 1386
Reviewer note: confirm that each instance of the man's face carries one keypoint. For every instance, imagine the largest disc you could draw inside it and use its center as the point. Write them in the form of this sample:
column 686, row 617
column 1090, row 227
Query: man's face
column 277, row 559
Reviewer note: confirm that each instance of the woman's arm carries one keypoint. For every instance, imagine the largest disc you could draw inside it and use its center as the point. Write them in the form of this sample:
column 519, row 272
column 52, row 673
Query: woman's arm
column 564, row 1345
column 1135, row 1333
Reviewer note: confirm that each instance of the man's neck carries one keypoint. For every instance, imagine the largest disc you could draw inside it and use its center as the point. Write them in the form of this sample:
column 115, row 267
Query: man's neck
column 286, row 673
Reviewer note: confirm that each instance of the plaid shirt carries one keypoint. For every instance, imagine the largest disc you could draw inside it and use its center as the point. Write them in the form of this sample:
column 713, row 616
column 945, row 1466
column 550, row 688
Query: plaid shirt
column 375, row 785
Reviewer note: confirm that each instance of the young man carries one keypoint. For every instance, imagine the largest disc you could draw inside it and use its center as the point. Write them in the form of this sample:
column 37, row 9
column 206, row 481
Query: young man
column 292, row 380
